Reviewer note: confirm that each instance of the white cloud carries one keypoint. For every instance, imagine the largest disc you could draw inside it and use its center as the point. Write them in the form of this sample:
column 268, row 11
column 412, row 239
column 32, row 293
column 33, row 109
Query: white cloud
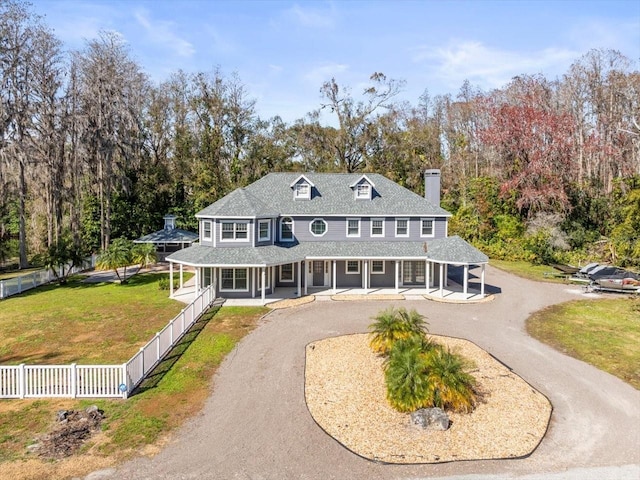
column 161, row 32
column 489, row 67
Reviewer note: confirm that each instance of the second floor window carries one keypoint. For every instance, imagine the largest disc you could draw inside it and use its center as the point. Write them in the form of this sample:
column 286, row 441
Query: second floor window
column 353, row 227
column 402, row 227
column 377, row 227
column 264, row 230
column 427, row 227
column 234, row 231
column 286, row 229
column 206, row 230
column 318, row 227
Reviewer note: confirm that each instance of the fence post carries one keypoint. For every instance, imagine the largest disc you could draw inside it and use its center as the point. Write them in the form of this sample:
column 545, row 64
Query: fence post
column 125, row 382
column 21, row 381
column 142, row 360
column 182, row 315
column 171, row 332
column 1, row 289
column 193, row 313
column 74, row 383
column 19, row 284
column 157, row 346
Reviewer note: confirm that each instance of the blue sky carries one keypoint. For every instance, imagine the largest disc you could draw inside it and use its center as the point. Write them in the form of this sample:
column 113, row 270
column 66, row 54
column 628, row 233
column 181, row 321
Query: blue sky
column 283, row 51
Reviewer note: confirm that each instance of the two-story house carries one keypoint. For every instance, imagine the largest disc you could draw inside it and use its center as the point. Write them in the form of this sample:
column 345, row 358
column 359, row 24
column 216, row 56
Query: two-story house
column 326, row 231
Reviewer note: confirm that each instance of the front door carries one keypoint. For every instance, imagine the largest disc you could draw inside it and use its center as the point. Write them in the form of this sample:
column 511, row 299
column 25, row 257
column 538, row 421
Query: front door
column 318, row 273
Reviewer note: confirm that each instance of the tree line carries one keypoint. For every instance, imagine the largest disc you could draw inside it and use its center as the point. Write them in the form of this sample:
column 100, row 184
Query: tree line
column 92, row 150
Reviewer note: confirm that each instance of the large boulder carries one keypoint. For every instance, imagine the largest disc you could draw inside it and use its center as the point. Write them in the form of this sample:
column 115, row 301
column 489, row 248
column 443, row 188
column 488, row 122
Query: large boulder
column 430, row 419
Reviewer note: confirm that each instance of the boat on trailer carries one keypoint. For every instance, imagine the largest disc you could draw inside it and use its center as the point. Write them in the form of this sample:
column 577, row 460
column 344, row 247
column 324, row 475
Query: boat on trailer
column 613, row 279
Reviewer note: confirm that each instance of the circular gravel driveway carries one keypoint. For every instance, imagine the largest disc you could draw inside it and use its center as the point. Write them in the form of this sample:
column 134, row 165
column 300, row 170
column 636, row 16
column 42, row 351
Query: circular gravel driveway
column 255, row 425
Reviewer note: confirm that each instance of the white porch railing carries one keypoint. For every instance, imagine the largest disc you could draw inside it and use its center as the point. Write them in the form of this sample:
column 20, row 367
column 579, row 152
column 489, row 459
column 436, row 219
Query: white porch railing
column 16, row 285
column 101, row 381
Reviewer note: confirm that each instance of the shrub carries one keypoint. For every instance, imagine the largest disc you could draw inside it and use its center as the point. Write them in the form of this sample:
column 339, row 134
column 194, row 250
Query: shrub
column 450, row 386
column 392, row 325
column 406, row 376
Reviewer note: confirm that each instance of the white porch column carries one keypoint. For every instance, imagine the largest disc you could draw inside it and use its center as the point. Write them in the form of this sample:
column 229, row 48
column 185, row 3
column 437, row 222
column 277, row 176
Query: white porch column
column 299, row 292
column 254, row 278
column 427, row 275
column 441, row 280
column 397, row 275
column 197, row 281
column 465, row 287
column 366, row 276
column 181, row 276
column 171, row 278
column 263, row 275
column 214, row 281
column 306, row 277
column 482, row 281
column 334, row 286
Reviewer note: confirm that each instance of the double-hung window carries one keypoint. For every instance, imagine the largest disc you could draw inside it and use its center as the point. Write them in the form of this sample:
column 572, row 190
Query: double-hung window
column 402, row 227
column 233, row 280
column 206, row 230
column 377, row 227
column 427, row 227
column 286, row 272
column 264, row 230
column 286, row 229
column 234, row 231
column 353, row 227
column 352, row 267
column 377, row 266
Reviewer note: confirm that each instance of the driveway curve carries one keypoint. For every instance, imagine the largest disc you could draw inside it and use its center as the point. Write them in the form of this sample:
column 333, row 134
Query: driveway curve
column 255, row 425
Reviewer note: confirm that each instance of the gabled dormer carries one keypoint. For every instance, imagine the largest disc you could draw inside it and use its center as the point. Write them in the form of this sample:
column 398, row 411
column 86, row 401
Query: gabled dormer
column 362, row 188
column 302, row 188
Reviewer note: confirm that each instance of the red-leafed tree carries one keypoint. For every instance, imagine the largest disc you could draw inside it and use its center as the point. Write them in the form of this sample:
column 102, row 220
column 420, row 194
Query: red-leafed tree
column 534, row 142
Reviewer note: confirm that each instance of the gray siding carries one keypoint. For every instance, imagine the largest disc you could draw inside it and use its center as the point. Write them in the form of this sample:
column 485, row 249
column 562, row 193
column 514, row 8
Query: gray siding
column 344, row 280
column 386, row 279
column 337, row 230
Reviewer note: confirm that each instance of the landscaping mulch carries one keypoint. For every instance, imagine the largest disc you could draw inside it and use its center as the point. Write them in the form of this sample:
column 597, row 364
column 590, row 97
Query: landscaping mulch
column 346, row 395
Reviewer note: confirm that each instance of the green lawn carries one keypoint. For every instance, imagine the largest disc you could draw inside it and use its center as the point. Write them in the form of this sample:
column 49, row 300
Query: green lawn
column 604, row 333
column 541, row 273
column 103, row 323
column 83, row 316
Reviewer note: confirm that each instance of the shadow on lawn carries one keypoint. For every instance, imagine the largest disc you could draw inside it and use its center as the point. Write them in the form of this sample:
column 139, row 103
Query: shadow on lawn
column 157, row 374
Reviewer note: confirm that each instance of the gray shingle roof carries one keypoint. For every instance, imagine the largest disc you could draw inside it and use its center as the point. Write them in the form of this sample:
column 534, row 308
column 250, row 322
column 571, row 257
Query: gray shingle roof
column 174, row 235
column 447, row 250
column 332, row 195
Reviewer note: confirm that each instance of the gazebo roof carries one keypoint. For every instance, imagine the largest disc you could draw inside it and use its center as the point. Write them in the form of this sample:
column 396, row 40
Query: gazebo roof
column 174, row 235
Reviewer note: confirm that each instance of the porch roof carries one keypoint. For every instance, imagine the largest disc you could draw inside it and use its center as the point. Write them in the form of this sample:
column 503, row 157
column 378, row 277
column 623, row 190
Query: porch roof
column 174, row 235
column 452, row 250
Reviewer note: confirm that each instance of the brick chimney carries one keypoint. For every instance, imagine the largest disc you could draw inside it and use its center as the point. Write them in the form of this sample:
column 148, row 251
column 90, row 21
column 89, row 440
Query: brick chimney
column 432, row 186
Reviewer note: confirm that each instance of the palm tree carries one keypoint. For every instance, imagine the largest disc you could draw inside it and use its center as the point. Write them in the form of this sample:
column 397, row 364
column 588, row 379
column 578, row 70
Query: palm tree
column 143, row 254
column 406, row 375
column 116, row 255
column 450, row 386
column 392, row 325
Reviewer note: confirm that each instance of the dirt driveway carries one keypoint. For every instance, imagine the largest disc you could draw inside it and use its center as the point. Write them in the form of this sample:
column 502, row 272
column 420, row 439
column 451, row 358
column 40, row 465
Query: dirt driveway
column 256, row 426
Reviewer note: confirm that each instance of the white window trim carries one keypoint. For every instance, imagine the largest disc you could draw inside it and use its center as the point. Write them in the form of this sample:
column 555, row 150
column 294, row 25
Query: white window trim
column 204, row 222
column 326, row 227
column 293, row 274
column 268, row 237
column 346, row 267
column 293, row 230
column 235, row 231
column 359, row 229
column 234, row 280
column 373, row 272
column 433, row 228
column 408, row 224
column 371, row 229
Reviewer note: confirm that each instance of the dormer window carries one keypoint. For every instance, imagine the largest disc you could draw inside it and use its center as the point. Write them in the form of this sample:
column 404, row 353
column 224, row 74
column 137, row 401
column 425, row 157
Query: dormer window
column 362, row 188
column 363, row 191
column 302, row 190
column 302, row 187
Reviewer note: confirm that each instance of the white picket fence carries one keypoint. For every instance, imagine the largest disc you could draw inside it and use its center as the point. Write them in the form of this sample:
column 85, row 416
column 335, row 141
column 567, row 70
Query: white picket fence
column 101, row 381
column 16, row 285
